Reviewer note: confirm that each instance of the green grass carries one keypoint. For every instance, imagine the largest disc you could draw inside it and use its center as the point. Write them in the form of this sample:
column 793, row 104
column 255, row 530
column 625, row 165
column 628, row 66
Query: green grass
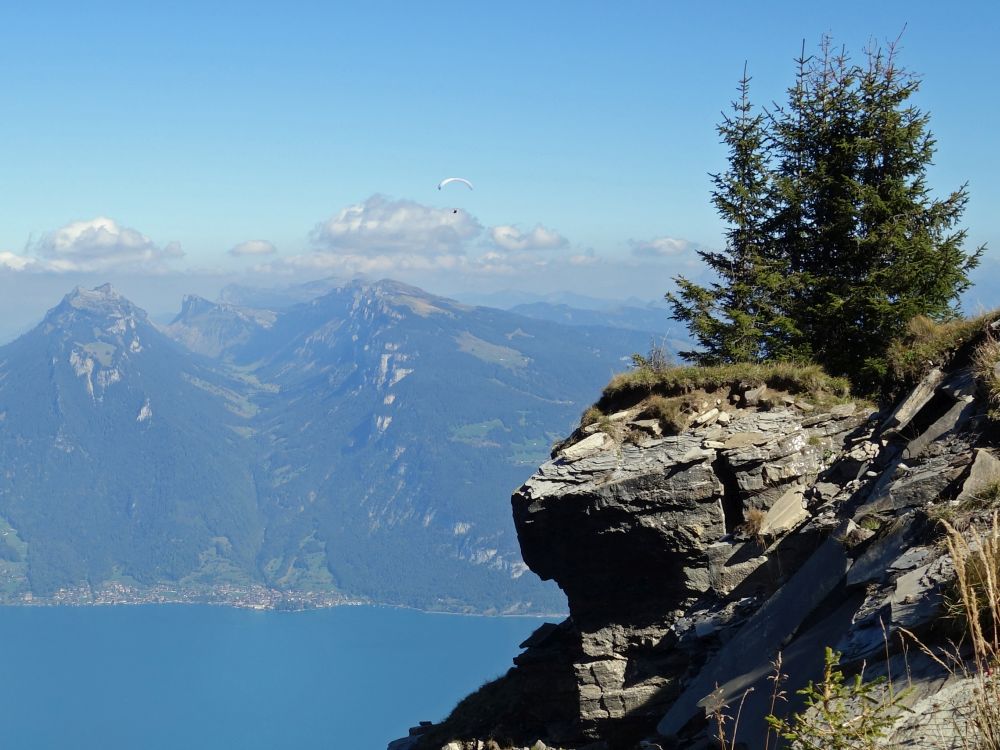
column 236, row 403
column 530, row 451
column 671, row 394
column 102, row 351
column 476, row 434
column 512, row 359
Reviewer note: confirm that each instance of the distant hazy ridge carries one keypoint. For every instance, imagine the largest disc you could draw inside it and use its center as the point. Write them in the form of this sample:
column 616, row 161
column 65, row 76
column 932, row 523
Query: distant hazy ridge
column 360, row 445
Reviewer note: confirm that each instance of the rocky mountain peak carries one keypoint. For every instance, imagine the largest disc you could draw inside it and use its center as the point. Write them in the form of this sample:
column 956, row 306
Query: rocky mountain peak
column 103, row 301
column 396, row 298
column 192, row 305
column 215, row 328
column 96, row 333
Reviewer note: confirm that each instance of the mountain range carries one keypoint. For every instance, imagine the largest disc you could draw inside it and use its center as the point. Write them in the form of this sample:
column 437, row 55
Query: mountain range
column 354, row 440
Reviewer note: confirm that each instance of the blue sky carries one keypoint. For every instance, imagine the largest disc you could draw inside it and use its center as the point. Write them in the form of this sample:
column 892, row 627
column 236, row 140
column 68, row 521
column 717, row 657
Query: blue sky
column 588, row 129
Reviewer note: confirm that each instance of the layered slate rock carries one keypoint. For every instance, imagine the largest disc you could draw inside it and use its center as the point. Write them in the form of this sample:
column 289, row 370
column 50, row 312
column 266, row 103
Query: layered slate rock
column 691, row 561
column 649, row 510
column 639, row 532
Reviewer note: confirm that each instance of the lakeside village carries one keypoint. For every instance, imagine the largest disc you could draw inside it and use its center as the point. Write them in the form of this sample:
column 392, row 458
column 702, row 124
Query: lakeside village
column 246, row 597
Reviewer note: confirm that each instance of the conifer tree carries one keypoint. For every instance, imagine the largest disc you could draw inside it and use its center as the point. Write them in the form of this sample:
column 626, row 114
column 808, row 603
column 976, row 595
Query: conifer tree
column 834, row 239
column 815, row 140
column 866, row 246
column 907, row 253
column 730, row 318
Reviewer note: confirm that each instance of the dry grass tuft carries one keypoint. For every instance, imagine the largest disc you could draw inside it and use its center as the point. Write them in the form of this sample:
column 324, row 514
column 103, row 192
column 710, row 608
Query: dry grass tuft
column 928, row 343
column 590, row 416
column 976, row 557
column 988, row 498
column 986, row 367
column 753, row 525
column 675, row 413
column 808, row 380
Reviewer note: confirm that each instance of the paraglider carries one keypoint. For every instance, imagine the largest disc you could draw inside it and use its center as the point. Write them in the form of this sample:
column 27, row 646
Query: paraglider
column 446, row 180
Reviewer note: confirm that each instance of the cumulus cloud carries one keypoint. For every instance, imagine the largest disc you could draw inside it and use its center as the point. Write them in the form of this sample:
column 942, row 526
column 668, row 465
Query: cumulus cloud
column 99, row 244
column 381, row 226
column 387, row 237
column 660, row 247
column 512, row 239
column 253, row 248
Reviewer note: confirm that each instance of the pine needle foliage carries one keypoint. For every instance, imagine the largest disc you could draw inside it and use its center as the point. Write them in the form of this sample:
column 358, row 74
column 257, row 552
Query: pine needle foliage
column 841, row 713
column 834, row 239
column 733, row 318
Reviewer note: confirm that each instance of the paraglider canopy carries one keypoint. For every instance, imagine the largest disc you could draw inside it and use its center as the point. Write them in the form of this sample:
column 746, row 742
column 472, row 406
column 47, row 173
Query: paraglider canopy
column 446, row 180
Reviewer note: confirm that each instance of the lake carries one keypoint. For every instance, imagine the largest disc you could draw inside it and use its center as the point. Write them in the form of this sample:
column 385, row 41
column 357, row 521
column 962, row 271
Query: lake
column 154, row 677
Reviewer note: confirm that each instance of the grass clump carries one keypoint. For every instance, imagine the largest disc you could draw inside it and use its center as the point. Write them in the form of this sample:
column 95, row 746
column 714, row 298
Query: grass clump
column 753, row 526
column 928, row 343
column 596, row 417
column 986, row 368
column 839, row 713
column 986, row 498
column 871, row 523
column 590, row 416
column 657, row 359
column 674, row 413
column 975, row 601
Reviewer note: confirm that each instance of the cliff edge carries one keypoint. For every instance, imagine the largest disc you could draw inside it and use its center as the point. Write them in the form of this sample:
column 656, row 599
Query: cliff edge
column 699, row 529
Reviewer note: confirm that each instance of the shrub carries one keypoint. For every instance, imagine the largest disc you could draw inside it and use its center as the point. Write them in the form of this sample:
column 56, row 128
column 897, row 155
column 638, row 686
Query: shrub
column 841, row 714
column 657, row 359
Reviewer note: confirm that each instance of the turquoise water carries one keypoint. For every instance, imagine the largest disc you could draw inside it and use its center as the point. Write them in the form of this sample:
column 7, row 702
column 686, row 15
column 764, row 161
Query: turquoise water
column 199, row 677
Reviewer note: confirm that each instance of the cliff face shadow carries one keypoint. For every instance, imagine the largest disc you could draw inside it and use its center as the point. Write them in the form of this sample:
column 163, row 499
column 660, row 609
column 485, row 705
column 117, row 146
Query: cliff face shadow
column 534, row 699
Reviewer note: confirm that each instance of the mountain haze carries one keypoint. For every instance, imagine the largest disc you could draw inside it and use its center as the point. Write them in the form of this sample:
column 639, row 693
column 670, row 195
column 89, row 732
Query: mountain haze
column 359, row 444
column 120, row 457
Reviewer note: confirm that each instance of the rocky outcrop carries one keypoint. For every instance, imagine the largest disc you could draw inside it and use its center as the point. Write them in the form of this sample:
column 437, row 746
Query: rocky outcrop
column 644, row 538
column 689, row 561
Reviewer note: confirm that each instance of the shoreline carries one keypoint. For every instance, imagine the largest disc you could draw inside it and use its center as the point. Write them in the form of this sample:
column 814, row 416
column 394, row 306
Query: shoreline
column 258, row 598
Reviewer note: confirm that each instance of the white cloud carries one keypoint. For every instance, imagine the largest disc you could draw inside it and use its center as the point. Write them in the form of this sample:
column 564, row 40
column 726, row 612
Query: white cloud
column 512, row 239
column 381, row 226
column 408, row 240
column 661, row 247
column 99, row 244
column 254, row 248
column 13, row 262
